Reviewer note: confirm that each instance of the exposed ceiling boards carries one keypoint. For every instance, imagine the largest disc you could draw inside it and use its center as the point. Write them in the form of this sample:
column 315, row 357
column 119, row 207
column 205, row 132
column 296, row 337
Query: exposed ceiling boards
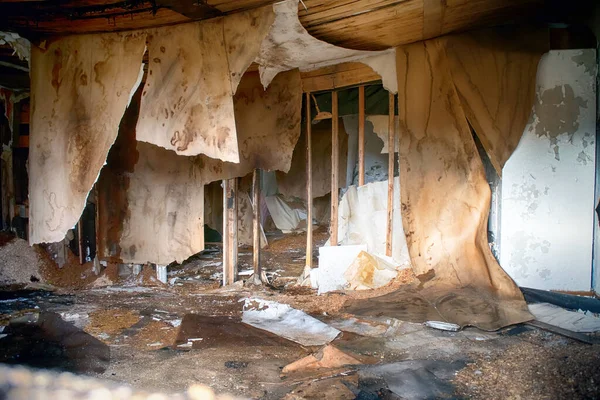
column 357, row 24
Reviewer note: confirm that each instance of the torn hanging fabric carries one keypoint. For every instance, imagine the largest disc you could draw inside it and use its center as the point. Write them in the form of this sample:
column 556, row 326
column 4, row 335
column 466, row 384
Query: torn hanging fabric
column 80, row 86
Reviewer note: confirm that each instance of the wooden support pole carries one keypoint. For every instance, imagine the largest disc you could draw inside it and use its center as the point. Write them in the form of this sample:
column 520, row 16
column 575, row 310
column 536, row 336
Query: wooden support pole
column 80, row 240
column 309, row 195
column 334, row 169
column 230, row 243
column 256, row 225
column 361, row 135
column 391, row 157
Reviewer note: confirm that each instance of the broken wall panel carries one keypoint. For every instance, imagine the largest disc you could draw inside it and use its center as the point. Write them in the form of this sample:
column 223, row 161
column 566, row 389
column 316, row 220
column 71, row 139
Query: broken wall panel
column 293, row 182
column 494, row 73
column 445, row 196
column 80, row 88
column 187, row 103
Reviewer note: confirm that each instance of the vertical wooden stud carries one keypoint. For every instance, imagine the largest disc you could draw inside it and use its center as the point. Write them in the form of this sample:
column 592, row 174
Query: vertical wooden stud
column 80, row 240
column 361, row 135
column 391, row 157
column 230, row 219
column 309, row 195
column 334, row 169
column 256, row 225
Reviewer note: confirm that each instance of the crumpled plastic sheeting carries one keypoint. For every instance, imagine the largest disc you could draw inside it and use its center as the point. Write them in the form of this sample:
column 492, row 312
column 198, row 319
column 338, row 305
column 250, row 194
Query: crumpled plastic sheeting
column 362, row 219
column 80, row 86
column 445, row 195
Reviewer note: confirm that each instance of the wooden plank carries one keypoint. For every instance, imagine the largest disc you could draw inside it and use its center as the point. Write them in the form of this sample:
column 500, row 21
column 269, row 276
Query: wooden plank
column 229, row 231
column 309, row 194
column 433, row 18
column 580, row 337
column 391, row 157
column 80, row 241
column 361, row 135
column 338, row 76
column 334, row 169
column 256, row 225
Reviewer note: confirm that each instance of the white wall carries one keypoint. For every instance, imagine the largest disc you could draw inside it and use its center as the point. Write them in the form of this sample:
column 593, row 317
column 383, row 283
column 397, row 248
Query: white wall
column 548, row 183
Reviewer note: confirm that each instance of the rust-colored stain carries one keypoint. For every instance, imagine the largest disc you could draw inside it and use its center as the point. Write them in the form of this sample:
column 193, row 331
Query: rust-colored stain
column 56, row 68
column 113, row 208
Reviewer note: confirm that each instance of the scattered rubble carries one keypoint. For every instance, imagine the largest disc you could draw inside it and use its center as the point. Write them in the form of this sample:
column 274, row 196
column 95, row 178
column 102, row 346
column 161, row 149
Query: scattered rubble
column 21, row 264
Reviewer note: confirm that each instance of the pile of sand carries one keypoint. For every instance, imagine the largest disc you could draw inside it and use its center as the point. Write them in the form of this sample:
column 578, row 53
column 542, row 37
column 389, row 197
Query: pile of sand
column 19, row 263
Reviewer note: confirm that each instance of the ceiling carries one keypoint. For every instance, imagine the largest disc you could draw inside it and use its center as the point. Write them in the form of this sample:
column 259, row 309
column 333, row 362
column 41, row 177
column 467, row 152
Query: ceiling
column 359, row 24
column 356, row 24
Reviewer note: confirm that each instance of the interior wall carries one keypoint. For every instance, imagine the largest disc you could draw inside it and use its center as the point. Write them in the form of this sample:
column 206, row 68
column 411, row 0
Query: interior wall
column 548, row 183
column 376, row 163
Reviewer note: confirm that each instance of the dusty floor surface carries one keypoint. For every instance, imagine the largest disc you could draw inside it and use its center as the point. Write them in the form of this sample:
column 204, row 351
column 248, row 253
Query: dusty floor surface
column 140, row 332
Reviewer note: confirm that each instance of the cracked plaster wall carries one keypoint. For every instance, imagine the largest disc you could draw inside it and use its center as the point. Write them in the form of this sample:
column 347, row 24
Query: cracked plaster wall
column 548, row 183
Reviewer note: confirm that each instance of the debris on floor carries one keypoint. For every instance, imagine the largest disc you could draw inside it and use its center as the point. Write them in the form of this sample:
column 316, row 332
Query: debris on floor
column 414, row 379
column 334, row 261
column 204, row 332
column 369, row 271
column 106, row 323
column 21, row 264
column 570, row 320
column 540, row 366
column 327, row 357
column 288, row 322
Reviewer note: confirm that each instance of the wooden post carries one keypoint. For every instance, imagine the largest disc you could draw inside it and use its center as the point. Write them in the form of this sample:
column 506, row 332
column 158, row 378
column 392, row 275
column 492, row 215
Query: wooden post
column 80, row 240
column 361, row 135
column 229, row 231
column 391, row 156
column 256, row 226
column 309, row 195
column 334, row 169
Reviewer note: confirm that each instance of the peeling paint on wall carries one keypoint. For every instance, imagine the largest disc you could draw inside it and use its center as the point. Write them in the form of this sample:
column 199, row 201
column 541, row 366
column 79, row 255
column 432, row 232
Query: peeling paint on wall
column 548, row 183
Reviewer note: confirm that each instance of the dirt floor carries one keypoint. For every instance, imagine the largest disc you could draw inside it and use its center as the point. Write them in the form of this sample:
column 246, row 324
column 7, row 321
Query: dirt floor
column 156, row 337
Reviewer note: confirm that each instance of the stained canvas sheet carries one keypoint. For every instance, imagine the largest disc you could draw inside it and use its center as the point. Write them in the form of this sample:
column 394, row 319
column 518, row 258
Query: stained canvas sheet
column 445, row 204
column 497, row 108
column 151, row 201
column 187, row 103
column 268, row 127
column 80, row 86
column 165, row 220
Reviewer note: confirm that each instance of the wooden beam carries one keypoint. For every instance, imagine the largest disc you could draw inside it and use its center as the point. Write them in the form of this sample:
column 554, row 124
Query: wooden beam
column 361, row 135
column 80, row 240
column 433, row 18
column 338, row 76
column 391, row 156
column 256, row 226
column 309, row 195
column 334, row 169
column 229, row 231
